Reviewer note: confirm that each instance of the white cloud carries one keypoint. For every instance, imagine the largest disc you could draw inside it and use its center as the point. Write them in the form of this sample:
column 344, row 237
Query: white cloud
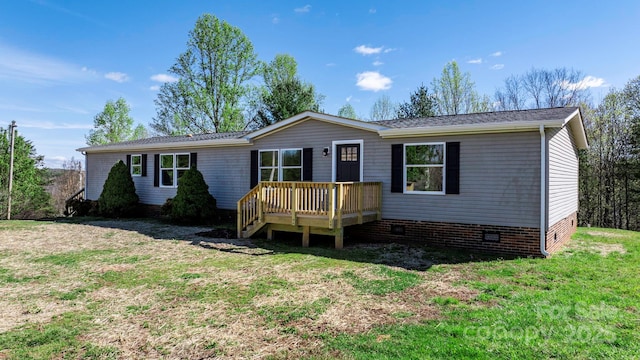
column 304, row 9
column 154, row 87
column 372, row 11
column 587, row 82
column 388, row 50
column 367, row 50
column 349, row 98
column 48, row 125
column 373, row 81
column 73, row 109
column 117, row 76
column 497, row 67
column 24, row 66
column 475, row 61
column 275, row 20
column 378, row 63
column 330, row 64
column 496, row 54
column 163, row 78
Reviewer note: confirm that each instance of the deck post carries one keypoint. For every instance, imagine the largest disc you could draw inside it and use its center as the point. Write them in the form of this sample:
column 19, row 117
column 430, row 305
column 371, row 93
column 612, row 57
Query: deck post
column 259, row 197
column 332, row 207
column 269, row 233
column 339, row 238
column 360, row 186
column 239, row 221
column 305, row 236
column 340, row 205
column 294, row 204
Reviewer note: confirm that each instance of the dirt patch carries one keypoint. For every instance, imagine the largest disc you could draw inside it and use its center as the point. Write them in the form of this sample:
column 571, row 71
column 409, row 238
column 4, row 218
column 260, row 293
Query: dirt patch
column 604, row 234
column 602, row 249
column 219, row 234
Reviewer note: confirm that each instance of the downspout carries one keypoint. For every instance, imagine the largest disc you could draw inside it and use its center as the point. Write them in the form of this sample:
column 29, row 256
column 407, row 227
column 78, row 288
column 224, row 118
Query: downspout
column 543, row 192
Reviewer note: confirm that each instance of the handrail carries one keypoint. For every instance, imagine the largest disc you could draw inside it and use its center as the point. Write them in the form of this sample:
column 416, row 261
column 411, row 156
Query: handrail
column 300, row 198
column 78, row 195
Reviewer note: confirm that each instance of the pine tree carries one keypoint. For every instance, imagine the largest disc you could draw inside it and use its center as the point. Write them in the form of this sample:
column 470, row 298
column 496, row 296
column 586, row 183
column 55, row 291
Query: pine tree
column 193, row 204
column 118, row 197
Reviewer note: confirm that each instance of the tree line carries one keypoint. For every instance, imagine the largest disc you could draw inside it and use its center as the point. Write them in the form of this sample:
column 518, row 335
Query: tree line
column 222, row 86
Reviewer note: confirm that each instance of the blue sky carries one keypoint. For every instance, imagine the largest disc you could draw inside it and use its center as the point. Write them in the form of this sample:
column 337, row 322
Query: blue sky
column 60, row 61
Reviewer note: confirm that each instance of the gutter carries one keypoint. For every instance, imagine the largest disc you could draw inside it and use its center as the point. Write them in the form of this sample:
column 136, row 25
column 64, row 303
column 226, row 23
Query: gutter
column 166, row 145
column 467, row 129
column 543, row 192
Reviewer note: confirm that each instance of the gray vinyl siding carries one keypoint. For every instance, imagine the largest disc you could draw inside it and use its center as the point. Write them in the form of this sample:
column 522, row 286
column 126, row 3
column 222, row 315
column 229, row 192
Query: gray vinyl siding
column 499, row 173
column 499, row 183
column 563, row 175
column 98, row 167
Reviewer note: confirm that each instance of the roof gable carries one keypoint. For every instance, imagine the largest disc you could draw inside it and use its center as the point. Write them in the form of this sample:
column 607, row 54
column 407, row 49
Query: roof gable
column 310, row 115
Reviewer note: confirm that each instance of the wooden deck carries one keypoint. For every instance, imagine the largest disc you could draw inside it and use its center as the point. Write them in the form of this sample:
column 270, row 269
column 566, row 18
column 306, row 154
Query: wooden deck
column 324, row 208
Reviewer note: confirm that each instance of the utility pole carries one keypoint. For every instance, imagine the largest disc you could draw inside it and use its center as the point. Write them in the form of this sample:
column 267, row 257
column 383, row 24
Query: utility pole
column 12, row 134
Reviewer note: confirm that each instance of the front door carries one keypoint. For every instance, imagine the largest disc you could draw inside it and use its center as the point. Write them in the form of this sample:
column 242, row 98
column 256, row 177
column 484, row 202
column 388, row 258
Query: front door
column 348, row 162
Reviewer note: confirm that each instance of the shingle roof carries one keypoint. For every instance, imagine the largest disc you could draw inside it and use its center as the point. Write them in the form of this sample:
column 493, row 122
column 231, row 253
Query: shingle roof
column 482, row 118
column 429, row 124
column 161, row 140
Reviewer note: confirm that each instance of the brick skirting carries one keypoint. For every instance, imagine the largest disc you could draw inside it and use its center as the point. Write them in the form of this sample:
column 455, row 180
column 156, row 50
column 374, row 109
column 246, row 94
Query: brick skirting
column 560, row 233
column 507, row 240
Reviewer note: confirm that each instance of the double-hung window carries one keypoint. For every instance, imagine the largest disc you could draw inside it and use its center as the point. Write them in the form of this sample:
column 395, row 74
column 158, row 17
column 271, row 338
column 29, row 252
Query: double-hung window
column 280, row 165
column 424, row 167
column 172, row 166
column 136, row 165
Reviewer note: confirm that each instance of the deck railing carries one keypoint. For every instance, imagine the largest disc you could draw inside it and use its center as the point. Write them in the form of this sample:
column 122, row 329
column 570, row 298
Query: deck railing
column 330, row 200
column 68, row 203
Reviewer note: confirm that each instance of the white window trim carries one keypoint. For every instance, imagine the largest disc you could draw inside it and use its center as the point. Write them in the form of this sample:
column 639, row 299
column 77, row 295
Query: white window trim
column 444, row 169
column 334, row 158
column 175, row 169
column 280, row 167
column 131, row 165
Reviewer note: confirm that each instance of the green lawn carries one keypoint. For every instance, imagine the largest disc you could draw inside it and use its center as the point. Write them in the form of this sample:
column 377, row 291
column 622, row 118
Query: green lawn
column 143, row 289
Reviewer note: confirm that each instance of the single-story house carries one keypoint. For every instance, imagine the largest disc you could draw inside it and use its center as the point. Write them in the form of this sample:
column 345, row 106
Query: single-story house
column 502, row 182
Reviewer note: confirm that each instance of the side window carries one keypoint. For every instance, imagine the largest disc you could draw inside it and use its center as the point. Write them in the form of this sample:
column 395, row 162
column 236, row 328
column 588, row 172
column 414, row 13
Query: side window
column 136, row 165
column 291, row 164
column 424, row 167
column 172, row 166
column 268, row 165
column 166, row 170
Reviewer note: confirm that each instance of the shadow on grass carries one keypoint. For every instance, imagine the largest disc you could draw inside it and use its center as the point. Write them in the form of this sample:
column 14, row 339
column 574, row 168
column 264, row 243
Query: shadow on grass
column 410, row 256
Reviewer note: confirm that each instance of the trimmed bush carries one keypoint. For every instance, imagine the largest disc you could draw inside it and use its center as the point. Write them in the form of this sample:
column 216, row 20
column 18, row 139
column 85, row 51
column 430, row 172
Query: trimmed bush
column 118, row 198
column 192, row 204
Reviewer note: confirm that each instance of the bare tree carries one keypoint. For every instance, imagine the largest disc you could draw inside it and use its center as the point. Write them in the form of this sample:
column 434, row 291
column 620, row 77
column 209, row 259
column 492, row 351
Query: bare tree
column 513, row 96
column 67, row 182
column 383, row 109
column 540, row 88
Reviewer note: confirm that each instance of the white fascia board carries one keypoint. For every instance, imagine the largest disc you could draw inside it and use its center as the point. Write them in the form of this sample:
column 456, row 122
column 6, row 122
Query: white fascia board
column 308, row 115
column 577, row 128
column 164, row 146
column 468, row 129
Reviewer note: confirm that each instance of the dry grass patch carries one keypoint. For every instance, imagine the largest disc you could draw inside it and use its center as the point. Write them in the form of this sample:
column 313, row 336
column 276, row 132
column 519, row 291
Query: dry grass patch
column 152, row 290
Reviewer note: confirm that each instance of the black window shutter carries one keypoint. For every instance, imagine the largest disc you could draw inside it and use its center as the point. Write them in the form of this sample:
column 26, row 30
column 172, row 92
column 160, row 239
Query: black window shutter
column 128, row 162
column 397, row 159
column 307, row 164
column 144, row 164
column 156, row 170
column 452, row 185
column 254, row 168
column 194, row 160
